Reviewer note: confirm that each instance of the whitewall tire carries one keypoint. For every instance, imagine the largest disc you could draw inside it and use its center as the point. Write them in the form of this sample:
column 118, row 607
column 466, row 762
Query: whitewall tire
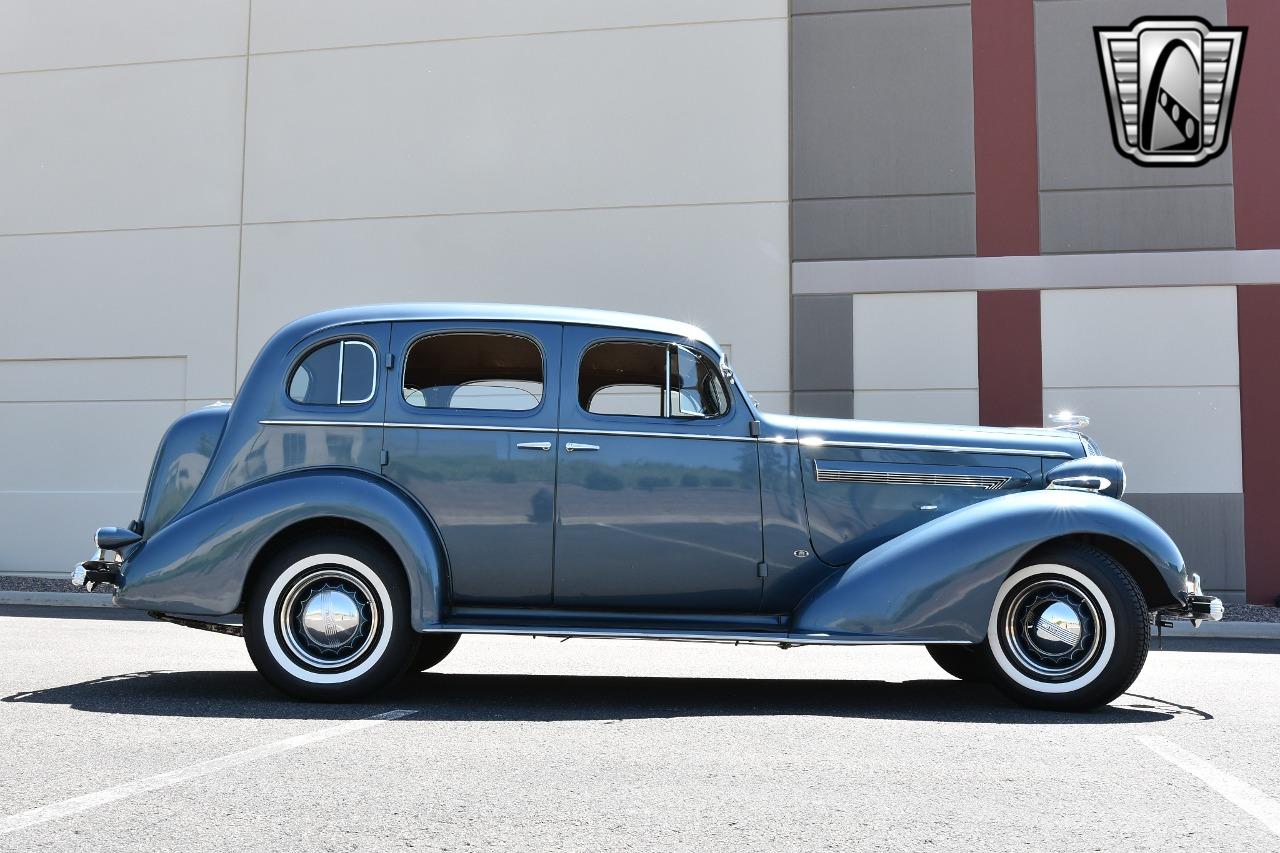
column 327, row 619
column 1068, row 630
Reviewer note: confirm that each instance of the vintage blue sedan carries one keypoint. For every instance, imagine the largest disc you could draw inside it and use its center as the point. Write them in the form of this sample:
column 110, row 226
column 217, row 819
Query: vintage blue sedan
column 393, row 476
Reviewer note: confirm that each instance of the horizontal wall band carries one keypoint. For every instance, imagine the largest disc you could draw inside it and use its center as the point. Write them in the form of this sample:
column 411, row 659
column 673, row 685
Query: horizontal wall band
column 1042, row 272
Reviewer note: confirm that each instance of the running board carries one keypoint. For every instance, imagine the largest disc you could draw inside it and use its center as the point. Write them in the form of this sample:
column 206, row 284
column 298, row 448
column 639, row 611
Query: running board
column 778, row 638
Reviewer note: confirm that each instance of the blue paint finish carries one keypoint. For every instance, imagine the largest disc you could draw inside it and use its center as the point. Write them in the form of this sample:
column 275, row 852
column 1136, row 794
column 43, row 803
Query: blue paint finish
column 492, row 500
column 660, row 522
column 938, row 581
column 702, row 524
column 180, row 464
column 199, row 562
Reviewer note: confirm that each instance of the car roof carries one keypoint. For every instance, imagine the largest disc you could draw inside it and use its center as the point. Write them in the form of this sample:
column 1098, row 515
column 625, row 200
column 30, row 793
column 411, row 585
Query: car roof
column 495, row 311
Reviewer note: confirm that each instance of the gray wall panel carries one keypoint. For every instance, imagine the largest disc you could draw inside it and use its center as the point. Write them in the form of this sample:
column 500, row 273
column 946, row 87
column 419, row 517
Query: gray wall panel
column 887, row 227
column 806, row 7
column 1209, row 530
column 1137, row 219
column 1075, row 130
column 882, row 103
column 823, row 404
column 822, row 343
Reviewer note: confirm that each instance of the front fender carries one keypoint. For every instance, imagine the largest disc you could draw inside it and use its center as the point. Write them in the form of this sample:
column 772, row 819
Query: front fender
column 938, row 582
column 198, row 563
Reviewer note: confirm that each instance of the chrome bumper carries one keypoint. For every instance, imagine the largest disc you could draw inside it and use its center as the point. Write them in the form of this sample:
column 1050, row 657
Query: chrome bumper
column 96, row 571
column 1198, row 606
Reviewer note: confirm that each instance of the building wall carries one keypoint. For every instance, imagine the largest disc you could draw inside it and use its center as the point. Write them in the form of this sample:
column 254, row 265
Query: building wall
column 1022, row 266
column 183, row 178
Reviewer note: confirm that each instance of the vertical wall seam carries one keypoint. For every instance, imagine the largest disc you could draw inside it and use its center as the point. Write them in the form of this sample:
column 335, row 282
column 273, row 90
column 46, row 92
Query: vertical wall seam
column 244, row 146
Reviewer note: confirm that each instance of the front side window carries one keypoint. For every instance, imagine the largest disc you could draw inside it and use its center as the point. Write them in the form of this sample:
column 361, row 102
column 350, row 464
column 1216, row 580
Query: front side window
column 474, row 370
column 643, row 379
column 337, row 373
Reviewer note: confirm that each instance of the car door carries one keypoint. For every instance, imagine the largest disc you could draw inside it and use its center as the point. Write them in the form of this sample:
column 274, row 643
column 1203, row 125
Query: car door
column 658, row 495
column 470, row 432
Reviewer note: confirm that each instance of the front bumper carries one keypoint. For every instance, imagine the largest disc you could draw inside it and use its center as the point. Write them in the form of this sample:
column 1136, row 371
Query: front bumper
column 1198, row 606
column 92, row 573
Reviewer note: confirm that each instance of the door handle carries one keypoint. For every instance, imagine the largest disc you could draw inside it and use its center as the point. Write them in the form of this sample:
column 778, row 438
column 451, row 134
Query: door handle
column 534, row 445
column 573, row 445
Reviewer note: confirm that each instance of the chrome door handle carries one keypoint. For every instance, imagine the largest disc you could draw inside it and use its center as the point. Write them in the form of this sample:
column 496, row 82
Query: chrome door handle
column 534, row 445
column 573, row 445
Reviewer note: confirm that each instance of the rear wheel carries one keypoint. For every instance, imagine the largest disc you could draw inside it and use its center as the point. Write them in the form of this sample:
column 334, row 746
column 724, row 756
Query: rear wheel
column 433, row 649
column 328, row 619
column 967, row 663
column 1069, row 630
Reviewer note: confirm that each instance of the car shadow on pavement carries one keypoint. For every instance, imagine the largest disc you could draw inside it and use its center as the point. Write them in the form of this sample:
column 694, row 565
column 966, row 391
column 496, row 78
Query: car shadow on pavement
column 466, row 696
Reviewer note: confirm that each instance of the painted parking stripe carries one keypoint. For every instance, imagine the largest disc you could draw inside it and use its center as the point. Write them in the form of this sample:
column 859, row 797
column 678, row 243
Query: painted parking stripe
column 1236, row 791
column 75, row 805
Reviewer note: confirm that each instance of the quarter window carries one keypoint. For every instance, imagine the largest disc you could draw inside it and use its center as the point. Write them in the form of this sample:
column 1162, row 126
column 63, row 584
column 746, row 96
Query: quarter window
column 473, row 370
column 641, row 379
column 337, row 373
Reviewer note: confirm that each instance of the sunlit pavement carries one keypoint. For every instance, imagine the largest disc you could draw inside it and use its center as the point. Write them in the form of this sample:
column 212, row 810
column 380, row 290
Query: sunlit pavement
column 131, row 735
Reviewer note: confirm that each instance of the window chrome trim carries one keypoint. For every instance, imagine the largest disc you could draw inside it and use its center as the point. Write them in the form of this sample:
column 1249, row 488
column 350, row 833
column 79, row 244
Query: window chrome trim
column 991, row 483
column 373, row 386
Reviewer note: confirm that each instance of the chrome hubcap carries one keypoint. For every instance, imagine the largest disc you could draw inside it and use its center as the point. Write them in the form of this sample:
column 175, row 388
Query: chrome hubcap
column 1052, row 629
column 329, row 618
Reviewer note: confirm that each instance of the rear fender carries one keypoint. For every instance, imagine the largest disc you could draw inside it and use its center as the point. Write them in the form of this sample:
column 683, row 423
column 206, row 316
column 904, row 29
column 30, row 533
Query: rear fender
column 199, row 562
column 938, row 582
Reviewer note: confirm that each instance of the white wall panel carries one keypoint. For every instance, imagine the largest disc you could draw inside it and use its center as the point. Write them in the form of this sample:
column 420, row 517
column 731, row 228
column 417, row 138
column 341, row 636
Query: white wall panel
column 663, row 115
column 167, row 293
column 302, row 24
column 1170, row 439
column 121, row 147
column 719, row 266
column 47, row 533
column 935, row 407
column 915, row 341
column 75, row 33
column 1149, row 336
column 50, row 380
column 76, row 446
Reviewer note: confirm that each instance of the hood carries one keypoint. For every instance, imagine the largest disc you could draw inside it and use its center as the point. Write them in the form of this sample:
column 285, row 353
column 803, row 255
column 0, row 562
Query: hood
column 1029, row 441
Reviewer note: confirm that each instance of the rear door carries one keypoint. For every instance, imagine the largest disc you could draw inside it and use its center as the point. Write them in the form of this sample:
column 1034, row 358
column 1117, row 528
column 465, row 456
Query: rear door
column 470, row 432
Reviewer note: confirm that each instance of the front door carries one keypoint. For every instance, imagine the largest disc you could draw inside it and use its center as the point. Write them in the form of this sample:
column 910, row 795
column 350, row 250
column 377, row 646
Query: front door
column 471, row 433
column 658, row 498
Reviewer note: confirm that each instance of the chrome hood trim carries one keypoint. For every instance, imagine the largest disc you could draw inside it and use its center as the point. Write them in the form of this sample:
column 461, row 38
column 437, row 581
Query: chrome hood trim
column 888, row 435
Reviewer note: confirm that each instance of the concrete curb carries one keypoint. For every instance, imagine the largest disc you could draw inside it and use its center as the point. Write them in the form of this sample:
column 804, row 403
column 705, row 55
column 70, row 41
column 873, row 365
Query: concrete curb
column 1225, row 630
column 56, row 599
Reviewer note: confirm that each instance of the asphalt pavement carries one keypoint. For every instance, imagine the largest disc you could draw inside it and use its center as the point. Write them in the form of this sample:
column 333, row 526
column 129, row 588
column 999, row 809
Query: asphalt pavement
column 127, row 734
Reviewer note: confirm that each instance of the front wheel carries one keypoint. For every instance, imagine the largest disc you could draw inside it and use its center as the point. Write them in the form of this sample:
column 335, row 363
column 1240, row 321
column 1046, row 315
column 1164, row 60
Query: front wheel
column 328, row 619
column 1068, row 631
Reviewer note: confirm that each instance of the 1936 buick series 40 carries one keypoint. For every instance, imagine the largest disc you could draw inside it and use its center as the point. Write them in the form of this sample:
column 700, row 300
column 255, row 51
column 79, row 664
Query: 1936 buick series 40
column 391, row 477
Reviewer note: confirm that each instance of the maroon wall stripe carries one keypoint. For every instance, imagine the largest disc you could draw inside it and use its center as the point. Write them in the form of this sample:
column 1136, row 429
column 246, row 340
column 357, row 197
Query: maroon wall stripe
column 1010, row 383
column 1257, row 308
column 1255, row 125
column 1004, row 127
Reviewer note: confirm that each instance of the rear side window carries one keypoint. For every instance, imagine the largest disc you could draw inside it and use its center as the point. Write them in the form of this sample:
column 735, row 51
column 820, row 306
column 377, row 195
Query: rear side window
column 643, row 379
column 337, row 373
column 473, row 370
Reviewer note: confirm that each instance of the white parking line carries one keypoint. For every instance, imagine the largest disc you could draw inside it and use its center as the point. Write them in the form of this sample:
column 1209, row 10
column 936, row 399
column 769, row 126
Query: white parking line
column 1238, row 792
column 53, row 811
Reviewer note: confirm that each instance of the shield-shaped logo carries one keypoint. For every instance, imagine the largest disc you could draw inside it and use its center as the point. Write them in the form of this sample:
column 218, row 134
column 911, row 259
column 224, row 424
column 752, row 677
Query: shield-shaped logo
column 1171, row 83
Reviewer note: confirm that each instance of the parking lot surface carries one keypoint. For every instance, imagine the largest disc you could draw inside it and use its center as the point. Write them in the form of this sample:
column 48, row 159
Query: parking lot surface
column 125, row 734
